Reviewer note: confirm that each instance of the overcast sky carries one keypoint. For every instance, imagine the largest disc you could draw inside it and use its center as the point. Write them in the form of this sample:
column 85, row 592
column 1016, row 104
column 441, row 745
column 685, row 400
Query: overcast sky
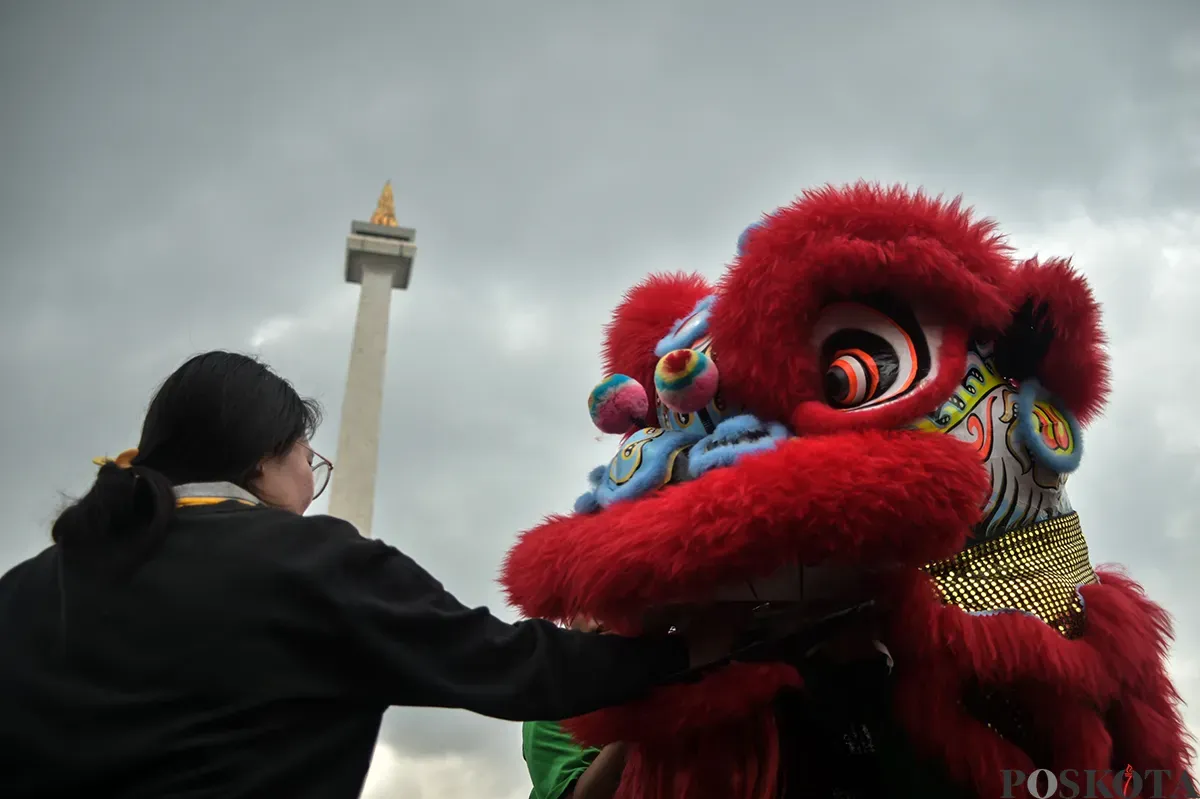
column 181, row 176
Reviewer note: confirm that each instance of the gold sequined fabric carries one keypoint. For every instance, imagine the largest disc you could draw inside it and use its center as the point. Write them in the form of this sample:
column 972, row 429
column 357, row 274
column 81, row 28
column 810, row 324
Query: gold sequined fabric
column 1035, row 570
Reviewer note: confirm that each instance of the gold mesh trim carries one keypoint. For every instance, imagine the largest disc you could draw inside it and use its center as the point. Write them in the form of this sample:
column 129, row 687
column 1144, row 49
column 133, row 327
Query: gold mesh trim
column 1034, row 569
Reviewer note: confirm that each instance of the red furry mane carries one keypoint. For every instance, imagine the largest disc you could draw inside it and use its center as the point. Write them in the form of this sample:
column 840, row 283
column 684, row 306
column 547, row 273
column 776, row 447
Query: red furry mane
column 643, row 317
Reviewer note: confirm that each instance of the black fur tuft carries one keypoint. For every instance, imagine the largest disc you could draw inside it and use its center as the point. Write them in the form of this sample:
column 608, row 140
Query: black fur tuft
column 1022, row 347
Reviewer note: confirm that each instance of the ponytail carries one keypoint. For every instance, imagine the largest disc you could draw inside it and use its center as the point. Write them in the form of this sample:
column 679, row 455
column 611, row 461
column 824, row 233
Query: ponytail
column 215, row 419
column 127, row 506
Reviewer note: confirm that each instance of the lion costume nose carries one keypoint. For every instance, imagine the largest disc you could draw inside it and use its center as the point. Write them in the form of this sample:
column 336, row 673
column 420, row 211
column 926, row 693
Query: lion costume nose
column 686, row 380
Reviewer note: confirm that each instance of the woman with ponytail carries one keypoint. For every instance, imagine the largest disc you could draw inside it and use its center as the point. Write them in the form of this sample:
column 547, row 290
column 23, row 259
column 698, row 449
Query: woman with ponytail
column 191, row 633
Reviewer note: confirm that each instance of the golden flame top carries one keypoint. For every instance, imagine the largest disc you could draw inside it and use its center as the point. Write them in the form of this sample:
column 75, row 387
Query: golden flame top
column 385, row 209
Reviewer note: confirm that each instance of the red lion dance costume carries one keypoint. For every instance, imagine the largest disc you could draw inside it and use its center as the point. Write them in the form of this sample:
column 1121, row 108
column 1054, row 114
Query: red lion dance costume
column 868, row 422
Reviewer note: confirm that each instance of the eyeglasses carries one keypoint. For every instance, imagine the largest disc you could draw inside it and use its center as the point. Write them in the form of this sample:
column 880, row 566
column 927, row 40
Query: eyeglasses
column 322, row 469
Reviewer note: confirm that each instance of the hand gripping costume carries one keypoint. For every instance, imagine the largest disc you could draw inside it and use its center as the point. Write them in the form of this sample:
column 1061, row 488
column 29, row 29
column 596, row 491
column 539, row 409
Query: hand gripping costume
column 872, row 416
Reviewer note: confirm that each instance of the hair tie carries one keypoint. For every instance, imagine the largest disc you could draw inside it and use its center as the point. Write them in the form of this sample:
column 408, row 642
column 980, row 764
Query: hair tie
column 122, row 461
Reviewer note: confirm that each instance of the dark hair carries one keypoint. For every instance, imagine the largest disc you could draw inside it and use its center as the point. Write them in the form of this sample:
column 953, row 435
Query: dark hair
column 213, row 420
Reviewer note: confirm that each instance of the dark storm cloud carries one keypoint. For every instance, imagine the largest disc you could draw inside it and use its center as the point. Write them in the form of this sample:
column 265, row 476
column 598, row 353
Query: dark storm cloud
column 179, row 175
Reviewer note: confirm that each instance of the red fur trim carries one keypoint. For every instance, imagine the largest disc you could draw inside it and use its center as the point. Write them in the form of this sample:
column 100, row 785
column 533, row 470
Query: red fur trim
column 1081, row 740
column 1101, row 701
column 1076, row 368
column 644, row 316
column 874, row 497
column 928, row 705
column 1134, row 635
column 739, row 761
column 843, row 242
column 994, row 649
column 929, row 689
column 675, row 712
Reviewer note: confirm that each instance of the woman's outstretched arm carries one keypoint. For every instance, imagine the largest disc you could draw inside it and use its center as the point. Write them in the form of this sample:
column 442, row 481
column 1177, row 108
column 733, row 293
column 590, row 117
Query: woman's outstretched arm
column 405, row 640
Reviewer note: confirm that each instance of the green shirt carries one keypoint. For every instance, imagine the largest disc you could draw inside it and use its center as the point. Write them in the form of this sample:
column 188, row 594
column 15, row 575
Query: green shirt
column 554, row 760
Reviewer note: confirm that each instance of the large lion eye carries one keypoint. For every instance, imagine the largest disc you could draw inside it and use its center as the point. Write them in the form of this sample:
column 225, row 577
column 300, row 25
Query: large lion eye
column 871, row 352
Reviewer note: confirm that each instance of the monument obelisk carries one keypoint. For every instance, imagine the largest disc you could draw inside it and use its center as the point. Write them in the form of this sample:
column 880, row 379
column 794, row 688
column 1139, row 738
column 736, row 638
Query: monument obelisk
column 379, row 256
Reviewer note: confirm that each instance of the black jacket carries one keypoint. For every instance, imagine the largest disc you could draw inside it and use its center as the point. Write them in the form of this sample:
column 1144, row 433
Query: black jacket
column 253, row 655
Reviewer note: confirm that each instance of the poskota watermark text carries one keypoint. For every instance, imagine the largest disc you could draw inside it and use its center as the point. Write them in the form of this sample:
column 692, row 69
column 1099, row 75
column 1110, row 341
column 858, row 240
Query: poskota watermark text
column 1096, row 784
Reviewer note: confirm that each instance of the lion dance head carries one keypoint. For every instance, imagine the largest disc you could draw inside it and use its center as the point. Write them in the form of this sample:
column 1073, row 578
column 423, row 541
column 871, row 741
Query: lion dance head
column 877, row 407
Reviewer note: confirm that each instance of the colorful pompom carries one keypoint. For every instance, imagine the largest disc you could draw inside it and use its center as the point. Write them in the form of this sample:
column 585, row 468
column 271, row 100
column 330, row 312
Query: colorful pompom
column 686, row 380
column 618, row 404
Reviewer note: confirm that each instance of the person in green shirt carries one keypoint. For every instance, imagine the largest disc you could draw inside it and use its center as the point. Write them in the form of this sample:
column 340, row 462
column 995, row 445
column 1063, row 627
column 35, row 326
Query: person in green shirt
column 562, row 769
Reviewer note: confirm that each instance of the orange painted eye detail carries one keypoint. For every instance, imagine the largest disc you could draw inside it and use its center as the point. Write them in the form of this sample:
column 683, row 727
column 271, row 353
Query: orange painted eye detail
column 869, row 355
column 852, row 378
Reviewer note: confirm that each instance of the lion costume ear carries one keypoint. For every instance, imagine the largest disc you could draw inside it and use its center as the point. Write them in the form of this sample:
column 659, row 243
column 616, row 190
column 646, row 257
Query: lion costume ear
column 1055, row 336
column 645, row 315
